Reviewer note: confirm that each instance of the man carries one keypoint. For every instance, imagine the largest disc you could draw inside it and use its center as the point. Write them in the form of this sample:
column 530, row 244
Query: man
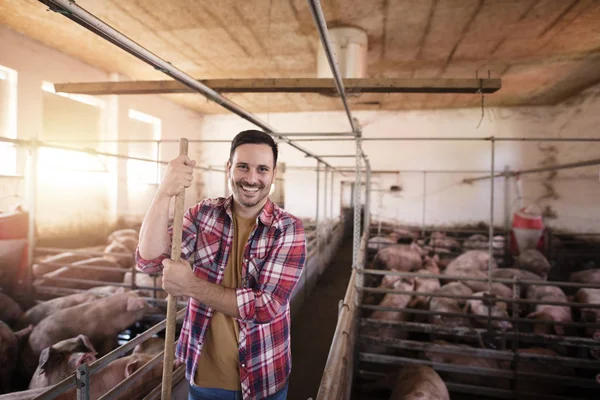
column 248, row 257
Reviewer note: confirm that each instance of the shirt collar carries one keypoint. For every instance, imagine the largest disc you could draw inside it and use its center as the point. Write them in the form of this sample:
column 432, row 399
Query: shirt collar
column 265, row 215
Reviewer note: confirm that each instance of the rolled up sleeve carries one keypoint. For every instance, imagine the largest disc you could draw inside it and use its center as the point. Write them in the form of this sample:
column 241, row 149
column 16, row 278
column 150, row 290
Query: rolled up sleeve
column 277, row 279
column 188, row 243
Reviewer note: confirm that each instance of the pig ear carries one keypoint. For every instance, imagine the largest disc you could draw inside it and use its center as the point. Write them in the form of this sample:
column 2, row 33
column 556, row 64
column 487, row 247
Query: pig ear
column 45, row 357
column 436, row 258
column 85, row 345
column 135, row 303
column 131, row 367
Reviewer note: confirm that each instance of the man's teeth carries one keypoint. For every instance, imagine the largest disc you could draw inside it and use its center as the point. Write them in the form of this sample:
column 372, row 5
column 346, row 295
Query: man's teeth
column 250, row 189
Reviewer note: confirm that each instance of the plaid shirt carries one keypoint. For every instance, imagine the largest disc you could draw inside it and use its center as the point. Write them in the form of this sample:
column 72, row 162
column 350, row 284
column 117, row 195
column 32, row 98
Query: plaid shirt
column 272, row 263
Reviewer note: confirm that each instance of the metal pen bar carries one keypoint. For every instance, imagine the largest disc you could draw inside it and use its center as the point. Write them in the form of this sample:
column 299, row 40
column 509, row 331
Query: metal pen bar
column 491, row 299
column 79, row 15
column 477, row 352
column 70, row 382
column 478, row 371
column 319, row 18
column 578, row 164
column 502, row 393
column 480, row 317
column 477, row 332
column 178, row 376
column 496, row 280
column 58, row 291
column 131, row 379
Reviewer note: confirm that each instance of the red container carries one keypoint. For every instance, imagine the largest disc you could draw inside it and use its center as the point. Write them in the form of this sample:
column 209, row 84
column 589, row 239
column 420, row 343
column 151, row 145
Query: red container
column 527, row 232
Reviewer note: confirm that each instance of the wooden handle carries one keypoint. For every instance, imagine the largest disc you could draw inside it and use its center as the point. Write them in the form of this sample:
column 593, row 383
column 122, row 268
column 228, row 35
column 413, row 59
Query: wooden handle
column 172, row 301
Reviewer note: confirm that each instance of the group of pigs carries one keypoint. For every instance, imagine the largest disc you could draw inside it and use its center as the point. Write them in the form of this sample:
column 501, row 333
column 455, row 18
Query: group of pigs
column 45, row 344
column 114, row 265
column 472, row 261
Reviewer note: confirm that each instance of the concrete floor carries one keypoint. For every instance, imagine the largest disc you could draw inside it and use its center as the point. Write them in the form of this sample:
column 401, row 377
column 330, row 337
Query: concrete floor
column 314, row 325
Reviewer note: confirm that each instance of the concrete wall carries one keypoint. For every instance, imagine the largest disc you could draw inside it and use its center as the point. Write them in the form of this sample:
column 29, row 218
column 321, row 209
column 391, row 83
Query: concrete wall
column 571, row 194
column 69, row 200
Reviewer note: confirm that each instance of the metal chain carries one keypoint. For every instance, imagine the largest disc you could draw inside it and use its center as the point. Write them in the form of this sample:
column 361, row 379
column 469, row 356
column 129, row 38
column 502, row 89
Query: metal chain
column 357, row 207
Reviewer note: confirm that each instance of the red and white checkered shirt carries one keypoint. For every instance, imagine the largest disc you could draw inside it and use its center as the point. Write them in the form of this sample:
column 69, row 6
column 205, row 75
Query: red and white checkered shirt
column 272, row 263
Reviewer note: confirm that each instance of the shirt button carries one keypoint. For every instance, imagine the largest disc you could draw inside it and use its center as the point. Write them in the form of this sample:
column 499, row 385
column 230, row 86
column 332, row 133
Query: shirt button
column 243, row 365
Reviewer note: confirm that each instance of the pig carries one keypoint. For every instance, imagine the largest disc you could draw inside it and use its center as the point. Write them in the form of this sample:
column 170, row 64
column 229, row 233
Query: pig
column 399, row 301
column 145, row 280
column 472, row 260
column 426, row 285
column 546, row 312
column 377, row 242
column 440, row 240
column 114, row 274
column 129, row 242
column 99, row 320
column 127, row 232
column 108, row 290
column 449, row 305
column 10, row 310
column 476, row 242
column 151, row 346
column 34, row 315
column 61, row 360
column 107, row 378
column 511, row 273
column 52, row 263
column 533, row 261
column 591, row 276
column 10, row 345
column 589, row 315
column 117, row 252
column 456, row 358
column 399, row 257
column 479, row 307
column 418, row 382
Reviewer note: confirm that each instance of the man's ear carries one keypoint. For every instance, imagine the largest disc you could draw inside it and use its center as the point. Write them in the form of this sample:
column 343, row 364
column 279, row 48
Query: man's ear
column 228, row 168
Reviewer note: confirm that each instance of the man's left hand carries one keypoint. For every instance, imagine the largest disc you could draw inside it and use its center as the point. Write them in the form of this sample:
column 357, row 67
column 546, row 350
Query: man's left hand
column 177, row 277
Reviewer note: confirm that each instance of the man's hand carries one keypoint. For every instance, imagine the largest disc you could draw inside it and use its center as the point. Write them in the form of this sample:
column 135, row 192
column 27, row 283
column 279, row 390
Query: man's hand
column 177, row 278
column 179, row 175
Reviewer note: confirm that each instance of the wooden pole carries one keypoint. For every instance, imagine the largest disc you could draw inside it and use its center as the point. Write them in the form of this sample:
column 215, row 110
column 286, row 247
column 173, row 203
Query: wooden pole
column 171, row 301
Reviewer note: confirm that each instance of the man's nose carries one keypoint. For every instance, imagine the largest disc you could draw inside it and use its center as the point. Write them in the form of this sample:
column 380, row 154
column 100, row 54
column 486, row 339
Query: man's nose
column 252, row 177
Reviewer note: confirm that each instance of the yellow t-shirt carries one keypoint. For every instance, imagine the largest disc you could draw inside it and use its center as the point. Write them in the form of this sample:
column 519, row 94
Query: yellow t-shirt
column 218, row 364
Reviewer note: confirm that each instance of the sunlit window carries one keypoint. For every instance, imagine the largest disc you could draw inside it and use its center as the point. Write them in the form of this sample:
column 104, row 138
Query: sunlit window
column 145, row 128
column 8, row 120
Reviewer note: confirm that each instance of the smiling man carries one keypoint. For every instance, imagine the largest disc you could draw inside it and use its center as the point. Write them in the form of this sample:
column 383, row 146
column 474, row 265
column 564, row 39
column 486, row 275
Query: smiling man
column 248, row 256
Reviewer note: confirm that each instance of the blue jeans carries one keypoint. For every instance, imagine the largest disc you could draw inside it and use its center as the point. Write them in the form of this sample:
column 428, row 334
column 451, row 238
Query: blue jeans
column 200, row 393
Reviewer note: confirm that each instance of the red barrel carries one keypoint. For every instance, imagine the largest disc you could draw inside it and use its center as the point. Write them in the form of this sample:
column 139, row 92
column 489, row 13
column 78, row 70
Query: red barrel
column 527, row 232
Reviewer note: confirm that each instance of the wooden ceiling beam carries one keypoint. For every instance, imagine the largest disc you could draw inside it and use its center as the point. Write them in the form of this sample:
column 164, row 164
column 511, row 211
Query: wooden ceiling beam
column 293, row 85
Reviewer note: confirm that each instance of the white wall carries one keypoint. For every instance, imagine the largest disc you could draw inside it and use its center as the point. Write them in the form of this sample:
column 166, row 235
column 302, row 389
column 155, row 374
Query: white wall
column 448, row 201
column 36, row 63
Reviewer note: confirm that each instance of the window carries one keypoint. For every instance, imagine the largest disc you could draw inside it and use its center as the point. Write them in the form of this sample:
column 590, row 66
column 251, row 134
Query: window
column 143, row 127
column 8, row 120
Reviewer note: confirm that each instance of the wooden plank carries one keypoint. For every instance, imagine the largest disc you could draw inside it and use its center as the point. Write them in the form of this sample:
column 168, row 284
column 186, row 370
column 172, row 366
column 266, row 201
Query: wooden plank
column 294, row 85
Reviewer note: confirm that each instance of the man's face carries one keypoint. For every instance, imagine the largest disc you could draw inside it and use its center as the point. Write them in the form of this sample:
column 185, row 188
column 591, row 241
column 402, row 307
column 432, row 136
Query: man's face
column 250, row 173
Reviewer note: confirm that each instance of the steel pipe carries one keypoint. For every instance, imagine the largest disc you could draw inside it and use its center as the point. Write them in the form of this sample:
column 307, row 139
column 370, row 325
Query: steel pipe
column 479, row 371
column 480, row 317
column 505, row 355
column 491, row 299
column 77, row 14
column 465, row 278
column 476, row 333
column 319, row 18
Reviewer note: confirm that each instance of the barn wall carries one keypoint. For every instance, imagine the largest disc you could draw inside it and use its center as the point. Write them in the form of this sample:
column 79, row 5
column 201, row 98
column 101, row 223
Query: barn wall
column 71, row 201
column 570, row 194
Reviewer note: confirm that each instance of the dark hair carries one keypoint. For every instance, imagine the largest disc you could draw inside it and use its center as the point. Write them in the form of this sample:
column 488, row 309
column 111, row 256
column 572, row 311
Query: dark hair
column 253, row 136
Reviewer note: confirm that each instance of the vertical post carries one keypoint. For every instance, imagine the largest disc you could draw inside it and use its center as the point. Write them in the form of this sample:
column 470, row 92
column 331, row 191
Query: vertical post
column 331, row 200
column 356, row 226
column 327, row 222
column 491, row 231
column 317, row 217
column 83, row 382
column 506, row 216
column 424, row 203
column 169, row 354
column 367, row 221
column 32, row 175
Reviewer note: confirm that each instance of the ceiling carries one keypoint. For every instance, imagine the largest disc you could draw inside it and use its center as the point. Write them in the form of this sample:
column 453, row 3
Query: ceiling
column 543, row 50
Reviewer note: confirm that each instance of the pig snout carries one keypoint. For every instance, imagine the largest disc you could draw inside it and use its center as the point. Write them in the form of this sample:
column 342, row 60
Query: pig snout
column 136, row 303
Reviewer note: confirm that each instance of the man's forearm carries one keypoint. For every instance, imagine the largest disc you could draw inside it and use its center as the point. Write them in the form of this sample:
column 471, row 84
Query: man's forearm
column 215, row 296
column 154, row 235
